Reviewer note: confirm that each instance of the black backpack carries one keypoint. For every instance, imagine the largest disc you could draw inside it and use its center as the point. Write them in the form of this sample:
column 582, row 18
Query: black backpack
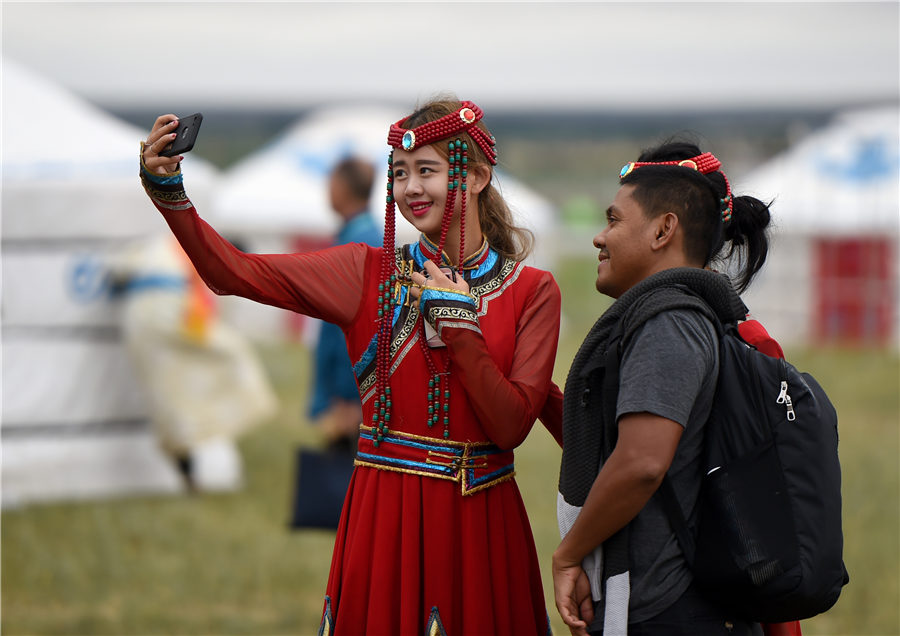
column 768, row 541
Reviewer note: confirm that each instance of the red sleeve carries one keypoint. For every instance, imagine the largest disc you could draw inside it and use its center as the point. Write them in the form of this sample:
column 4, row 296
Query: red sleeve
column 782, row 629
column 551, row 415
column 755, row 334
column 508, row 406
column 327, row 284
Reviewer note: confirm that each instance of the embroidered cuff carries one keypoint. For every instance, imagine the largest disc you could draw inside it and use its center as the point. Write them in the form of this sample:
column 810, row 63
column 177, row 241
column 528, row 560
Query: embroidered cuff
column 443, row 308
column 167, row 190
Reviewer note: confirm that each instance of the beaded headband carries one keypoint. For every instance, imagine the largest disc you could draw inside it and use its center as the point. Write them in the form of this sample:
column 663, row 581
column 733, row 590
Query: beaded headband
column 462, row 120
column 703, row 163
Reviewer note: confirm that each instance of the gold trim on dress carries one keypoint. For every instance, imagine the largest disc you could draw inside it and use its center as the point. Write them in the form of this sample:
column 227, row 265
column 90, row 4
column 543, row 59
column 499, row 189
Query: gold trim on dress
column 397, row 469
column 437, row 441
column 459, row 464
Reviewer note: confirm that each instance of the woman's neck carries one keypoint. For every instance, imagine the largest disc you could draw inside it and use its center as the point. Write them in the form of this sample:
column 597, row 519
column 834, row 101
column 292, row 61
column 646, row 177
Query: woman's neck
column 451, row 245
column 474, row 238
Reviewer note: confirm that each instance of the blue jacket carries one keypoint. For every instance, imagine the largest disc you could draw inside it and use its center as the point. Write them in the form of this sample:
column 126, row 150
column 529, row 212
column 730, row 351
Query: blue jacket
column 333, row 375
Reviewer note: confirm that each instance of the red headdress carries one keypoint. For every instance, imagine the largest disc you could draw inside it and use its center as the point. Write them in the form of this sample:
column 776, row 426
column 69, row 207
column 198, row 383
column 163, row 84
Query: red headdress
column 704, row 164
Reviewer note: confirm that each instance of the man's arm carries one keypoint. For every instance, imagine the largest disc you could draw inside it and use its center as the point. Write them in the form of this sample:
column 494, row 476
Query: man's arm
column 633, row 472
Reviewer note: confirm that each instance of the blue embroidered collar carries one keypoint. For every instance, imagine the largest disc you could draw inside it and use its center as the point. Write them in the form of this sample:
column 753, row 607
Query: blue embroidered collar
column 429, row 249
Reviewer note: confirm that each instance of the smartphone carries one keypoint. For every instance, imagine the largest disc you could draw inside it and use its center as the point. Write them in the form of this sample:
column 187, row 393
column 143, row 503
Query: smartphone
column 185, row 135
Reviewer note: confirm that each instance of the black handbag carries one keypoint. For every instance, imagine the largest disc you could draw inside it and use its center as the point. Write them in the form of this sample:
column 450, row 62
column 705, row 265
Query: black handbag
column 321, row 481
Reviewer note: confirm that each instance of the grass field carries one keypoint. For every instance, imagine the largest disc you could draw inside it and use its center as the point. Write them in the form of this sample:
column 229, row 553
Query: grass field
column 228, row 565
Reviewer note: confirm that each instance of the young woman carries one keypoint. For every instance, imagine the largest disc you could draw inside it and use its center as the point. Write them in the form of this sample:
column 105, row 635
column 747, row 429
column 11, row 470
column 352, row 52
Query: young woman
column 453, row 341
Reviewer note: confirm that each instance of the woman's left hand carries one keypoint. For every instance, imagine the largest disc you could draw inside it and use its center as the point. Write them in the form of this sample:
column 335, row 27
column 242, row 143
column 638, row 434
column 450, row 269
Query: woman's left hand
column 436, row 278
column 162, row 134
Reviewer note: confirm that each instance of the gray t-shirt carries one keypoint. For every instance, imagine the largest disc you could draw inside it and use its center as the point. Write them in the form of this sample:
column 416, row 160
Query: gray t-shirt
column 669, row 368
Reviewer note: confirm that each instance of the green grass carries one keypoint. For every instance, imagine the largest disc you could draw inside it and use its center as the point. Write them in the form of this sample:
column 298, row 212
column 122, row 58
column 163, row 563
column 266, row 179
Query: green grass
column 227, row 564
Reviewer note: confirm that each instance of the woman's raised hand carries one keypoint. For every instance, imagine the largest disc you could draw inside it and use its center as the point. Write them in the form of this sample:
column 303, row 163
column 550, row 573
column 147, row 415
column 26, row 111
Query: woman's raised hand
column 162, row 134
column 436, row 278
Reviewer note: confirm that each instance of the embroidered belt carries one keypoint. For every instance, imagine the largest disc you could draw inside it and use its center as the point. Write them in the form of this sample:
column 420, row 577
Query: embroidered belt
column 475, row 465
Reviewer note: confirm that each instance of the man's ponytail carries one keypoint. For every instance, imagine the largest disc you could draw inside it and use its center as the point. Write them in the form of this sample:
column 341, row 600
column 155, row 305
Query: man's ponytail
column 746, row 239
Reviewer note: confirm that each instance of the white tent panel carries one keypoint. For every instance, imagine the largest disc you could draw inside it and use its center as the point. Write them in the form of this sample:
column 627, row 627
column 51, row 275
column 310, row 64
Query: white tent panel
column 782, row 297
column 106, row 465
column 68, row 381
column 531, row 211
column 70, row 195
column 50, row 133
column 43, row 469
column 74, row 288
column 59, row 210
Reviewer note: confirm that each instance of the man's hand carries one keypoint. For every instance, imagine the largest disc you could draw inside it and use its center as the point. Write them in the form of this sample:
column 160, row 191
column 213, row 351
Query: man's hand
column 572, row 591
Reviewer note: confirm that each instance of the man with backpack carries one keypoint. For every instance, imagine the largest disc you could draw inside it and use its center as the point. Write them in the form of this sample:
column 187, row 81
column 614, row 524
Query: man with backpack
column 639, row 395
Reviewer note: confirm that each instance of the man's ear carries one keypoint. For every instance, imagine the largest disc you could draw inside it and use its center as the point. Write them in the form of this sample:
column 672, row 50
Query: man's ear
column 665, row 227
column 478, row 178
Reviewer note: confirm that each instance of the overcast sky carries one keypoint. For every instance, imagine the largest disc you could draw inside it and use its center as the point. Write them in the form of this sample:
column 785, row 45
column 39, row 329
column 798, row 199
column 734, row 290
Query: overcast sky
column 580, row 55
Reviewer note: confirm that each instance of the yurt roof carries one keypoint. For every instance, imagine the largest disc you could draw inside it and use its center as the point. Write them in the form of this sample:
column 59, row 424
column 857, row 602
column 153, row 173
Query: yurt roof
column 842, row 179
column 69, row 168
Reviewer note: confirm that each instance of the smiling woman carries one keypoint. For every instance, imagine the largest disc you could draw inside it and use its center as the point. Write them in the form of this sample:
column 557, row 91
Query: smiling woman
column 453, row 341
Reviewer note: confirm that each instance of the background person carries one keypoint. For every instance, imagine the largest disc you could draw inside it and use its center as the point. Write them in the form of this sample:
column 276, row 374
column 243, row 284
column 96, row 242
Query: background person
column 202, row 378
column 335, row 404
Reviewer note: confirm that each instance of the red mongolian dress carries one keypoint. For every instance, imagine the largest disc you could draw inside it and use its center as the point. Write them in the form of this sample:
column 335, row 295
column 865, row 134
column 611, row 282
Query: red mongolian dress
column 433, row 538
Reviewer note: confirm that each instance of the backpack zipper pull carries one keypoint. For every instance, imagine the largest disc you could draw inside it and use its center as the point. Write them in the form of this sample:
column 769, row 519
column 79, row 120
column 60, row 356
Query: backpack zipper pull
column 784, row 398
column 791, row 415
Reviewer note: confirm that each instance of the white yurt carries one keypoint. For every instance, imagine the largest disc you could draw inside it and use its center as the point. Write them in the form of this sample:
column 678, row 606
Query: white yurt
column 275, row 200
column 832, row 272
column 74, row 420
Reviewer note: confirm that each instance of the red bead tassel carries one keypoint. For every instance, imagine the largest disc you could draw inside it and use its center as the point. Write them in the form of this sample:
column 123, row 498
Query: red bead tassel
column 382, row 408
column 464, row 160
column 450, row 206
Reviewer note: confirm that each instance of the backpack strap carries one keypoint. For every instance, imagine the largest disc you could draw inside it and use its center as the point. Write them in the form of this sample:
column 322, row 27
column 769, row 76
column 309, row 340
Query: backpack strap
column 683, row 534
column 667, row 497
